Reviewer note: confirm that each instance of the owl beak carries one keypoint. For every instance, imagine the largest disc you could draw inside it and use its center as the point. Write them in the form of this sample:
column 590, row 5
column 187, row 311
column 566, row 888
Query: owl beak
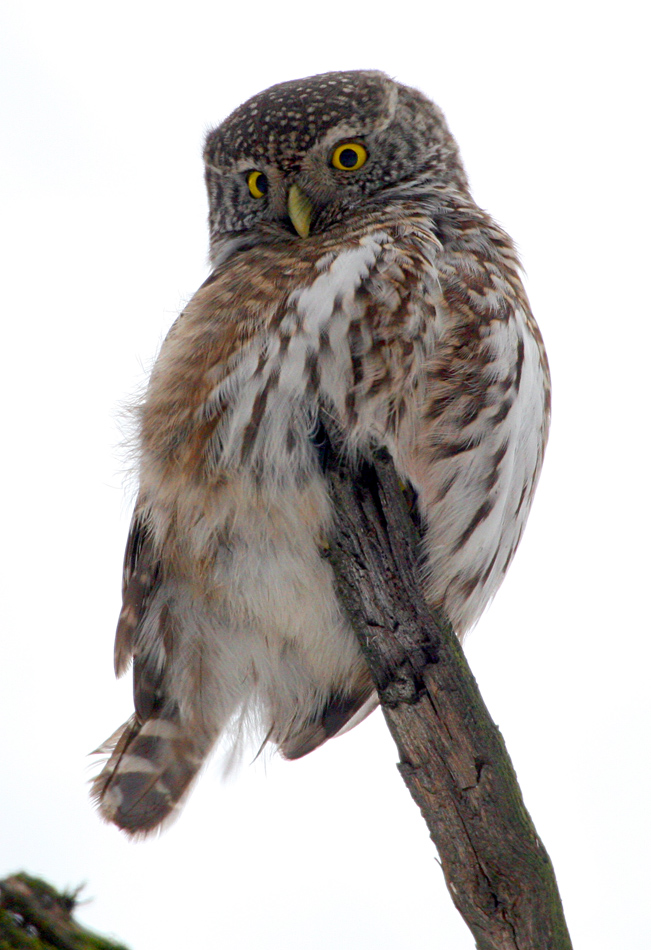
column 299, row 208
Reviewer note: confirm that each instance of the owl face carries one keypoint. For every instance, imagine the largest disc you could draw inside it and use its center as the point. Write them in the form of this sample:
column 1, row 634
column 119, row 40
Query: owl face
column 302, row 156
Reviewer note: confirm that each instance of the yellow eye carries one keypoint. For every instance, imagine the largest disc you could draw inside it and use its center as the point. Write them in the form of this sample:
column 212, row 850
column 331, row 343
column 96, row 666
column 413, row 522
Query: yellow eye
column 257, row 183
column 349, row 157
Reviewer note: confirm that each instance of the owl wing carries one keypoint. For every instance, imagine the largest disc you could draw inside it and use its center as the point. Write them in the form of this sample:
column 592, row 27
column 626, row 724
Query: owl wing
column 140, row 580
column 151, row 760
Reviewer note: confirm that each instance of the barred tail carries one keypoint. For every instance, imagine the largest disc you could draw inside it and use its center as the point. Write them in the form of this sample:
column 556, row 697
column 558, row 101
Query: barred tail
column 149, row 770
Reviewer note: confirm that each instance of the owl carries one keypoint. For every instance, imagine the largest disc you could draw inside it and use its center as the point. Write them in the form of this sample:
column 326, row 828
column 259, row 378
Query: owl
column 353, row 276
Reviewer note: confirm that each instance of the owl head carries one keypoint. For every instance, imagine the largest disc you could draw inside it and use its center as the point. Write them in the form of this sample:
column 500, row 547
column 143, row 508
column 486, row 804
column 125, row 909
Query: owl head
column 303, row 156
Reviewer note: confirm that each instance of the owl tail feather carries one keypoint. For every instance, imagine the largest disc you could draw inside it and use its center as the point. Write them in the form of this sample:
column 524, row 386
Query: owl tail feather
column 150, row 768
column 340, row 715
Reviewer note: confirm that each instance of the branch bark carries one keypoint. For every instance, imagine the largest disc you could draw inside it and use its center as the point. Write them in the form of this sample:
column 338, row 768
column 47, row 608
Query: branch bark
column 452, row 755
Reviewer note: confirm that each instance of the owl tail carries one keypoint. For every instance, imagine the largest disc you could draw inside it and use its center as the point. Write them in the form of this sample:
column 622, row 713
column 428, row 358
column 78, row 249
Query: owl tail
column 150, row 768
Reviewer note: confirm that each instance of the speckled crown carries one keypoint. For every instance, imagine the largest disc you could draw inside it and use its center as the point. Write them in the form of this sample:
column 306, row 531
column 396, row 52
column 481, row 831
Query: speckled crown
column 273, row 123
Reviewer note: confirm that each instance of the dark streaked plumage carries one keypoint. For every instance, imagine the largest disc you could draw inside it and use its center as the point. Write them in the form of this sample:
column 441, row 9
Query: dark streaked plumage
column 371, row 288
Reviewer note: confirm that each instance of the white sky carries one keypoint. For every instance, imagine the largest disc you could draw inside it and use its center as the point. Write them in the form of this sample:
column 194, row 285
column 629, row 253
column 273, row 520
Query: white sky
column 103, row 112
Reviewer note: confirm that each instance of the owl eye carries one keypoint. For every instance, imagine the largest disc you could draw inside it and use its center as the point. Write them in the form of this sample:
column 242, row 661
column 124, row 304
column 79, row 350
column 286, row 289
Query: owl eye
column 349, row 156
column 257, row 183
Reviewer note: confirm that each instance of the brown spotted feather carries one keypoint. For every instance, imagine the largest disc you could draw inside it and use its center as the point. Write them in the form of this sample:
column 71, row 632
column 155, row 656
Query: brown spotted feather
column 400, row 312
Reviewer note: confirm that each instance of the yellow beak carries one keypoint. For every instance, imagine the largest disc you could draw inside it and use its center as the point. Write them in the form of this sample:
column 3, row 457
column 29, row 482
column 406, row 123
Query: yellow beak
column 299, row 208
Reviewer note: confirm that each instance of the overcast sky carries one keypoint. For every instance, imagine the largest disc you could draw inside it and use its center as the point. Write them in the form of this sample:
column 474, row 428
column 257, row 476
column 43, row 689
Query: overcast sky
column 103, row 112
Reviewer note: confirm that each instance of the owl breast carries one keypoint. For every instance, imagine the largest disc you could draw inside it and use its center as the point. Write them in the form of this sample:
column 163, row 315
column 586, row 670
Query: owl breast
column 351, row 341
column 374, row 331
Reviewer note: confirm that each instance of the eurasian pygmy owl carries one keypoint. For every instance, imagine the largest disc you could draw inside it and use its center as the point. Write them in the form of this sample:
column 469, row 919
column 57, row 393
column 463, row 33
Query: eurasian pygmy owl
column 352, row 274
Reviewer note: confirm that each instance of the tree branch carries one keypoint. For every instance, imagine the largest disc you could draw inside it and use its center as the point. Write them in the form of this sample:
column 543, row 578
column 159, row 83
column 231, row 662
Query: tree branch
column 452, row 755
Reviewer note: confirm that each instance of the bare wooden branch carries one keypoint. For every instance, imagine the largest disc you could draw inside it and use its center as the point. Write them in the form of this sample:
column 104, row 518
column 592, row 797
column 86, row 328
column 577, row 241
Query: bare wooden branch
column 452, row 755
